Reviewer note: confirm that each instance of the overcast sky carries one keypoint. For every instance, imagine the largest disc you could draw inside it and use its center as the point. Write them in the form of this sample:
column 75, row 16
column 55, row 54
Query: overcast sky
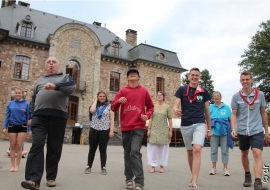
column 209, row 34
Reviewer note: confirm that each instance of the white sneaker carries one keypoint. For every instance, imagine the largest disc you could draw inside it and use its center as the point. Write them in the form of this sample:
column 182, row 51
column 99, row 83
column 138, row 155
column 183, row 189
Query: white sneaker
column 213, row 171
column 226, row 172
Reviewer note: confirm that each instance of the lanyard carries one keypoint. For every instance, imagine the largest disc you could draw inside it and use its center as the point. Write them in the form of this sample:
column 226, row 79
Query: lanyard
column 199, row 89
column 255, row 97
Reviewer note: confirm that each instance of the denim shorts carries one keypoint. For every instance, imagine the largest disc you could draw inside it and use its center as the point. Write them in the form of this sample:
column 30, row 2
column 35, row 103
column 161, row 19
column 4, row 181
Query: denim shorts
column 193, row 134
column 254, row 141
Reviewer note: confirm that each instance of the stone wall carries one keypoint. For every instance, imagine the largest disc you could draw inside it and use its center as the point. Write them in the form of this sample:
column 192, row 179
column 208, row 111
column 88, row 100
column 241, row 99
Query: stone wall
column 8, row 52
column 77, row 42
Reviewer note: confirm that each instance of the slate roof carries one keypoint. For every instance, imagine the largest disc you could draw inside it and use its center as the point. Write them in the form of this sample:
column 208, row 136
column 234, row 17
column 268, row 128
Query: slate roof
column 47, row 23
column 149, row 53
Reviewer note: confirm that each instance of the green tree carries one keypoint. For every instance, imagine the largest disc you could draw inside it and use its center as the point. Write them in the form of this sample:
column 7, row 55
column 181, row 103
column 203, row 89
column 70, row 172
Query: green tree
column 185, row 80
column 207, row 82
column 256, row 59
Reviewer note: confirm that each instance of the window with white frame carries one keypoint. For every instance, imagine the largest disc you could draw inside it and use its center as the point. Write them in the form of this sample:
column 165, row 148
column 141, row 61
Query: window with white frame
column 26, row 30
column 114, row 81
column 21, row 68
column 115, row 49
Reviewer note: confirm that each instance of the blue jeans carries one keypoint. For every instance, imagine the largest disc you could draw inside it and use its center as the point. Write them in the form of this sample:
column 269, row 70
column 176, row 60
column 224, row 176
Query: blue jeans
column 132, row 143
column 214, row 142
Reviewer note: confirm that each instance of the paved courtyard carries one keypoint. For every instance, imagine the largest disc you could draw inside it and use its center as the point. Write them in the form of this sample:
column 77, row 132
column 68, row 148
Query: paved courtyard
column 176, row 177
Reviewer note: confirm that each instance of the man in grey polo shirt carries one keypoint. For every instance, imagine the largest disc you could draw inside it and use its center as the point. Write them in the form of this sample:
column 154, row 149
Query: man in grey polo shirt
column 248, row 119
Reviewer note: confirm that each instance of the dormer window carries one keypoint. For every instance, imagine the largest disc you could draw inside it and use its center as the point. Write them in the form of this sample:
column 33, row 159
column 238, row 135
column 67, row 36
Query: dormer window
column 161, row 56
column 114, row 47
column 26, row 28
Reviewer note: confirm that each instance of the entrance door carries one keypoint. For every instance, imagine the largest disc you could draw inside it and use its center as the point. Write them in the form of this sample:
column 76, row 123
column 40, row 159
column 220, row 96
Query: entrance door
column 73, row 110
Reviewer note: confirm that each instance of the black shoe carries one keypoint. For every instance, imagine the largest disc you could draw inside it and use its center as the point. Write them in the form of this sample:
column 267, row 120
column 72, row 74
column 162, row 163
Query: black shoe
column 248, row 180
column 103, row 171
column 258, row 185
column 87, row 170
column 30, row 185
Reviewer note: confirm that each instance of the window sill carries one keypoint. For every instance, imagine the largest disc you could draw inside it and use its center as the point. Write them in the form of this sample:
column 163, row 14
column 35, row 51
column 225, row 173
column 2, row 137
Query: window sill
column 21, row 79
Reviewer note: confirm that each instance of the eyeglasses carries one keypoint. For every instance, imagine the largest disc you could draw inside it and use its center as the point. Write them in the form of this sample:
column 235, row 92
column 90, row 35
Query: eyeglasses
column 51, row 61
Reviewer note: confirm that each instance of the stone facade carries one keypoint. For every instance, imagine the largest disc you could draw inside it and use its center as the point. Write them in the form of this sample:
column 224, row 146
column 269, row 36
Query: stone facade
column 77, row 42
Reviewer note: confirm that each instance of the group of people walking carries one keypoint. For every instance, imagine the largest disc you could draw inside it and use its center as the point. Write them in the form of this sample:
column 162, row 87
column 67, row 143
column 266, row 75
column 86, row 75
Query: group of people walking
column 199, row 120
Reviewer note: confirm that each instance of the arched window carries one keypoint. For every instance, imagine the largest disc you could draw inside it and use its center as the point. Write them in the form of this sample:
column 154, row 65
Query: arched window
column 21, row 69
column 26, row 30
column 73, row 69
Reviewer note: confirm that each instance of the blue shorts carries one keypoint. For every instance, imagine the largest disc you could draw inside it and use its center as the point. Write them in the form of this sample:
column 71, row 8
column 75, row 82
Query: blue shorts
column 254, row 141
column 193, row 134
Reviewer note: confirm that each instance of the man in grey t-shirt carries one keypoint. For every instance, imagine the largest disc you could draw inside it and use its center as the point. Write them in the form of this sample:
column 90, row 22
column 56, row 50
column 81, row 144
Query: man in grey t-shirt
column 248, row 119
column 49, row 113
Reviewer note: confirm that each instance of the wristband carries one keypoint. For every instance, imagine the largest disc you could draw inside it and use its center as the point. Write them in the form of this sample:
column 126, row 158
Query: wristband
column 208, row 130
column 233, row 129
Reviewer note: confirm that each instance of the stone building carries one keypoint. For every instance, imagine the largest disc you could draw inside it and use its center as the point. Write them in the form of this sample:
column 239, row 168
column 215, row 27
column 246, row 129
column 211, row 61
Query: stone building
column 94, row 56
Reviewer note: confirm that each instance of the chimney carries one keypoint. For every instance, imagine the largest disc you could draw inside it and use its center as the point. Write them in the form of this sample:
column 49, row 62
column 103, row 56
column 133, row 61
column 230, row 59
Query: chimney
column 23, row 4
column 97, row 23
column 131, row 37
column 6, row 3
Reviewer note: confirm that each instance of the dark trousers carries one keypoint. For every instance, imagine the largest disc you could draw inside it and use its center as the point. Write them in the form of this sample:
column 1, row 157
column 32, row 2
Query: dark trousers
column 98, row 139
column 132, row 143
column 54, row 129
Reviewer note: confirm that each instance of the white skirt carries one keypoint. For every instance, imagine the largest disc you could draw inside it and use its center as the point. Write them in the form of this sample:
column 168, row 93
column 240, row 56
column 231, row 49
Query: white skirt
column 157, row 155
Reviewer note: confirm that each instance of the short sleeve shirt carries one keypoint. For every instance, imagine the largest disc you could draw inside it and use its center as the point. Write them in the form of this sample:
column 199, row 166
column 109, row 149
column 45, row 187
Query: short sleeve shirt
column 104, row 122
column 222, row 112
column 192, row 112
column 248, row 121
column 160, row 127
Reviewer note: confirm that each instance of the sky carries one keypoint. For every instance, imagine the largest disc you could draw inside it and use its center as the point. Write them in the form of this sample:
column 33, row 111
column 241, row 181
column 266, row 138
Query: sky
column 210, row 34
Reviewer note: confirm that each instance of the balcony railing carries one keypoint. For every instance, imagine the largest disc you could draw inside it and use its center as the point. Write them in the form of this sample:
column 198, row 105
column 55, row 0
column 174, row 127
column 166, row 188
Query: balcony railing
column 81, row 86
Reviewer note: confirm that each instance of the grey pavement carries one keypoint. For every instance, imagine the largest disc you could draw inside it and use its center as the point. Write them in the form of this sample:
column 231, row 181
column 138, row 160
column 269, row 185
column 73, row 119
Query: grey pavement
column 177, row 175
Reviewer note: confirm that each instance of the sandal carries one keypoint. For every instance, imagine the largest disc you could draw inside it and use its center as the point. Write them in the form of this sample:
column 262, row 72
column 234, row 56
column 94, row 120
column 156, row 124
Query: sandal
column 129, row 184
column 161, row 170
column 138, row 187
column 152, row 170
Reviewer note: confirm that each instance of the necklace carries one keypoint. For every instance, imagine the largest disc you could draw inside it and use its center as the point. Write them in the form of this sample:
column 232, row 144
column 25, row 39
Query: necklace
column 199, row 89
column 251, row 104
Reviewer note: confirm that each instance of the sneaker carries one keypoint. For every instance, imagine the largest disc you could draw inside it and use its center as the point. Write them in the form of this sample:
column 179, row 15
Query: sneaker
column 213, row 171
column 226, row 172
column 30, row 185
column 87, row 170
column 247, row 182
column 258, row 185
column 51, row 183
column 103, row 171
column 194, row 187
